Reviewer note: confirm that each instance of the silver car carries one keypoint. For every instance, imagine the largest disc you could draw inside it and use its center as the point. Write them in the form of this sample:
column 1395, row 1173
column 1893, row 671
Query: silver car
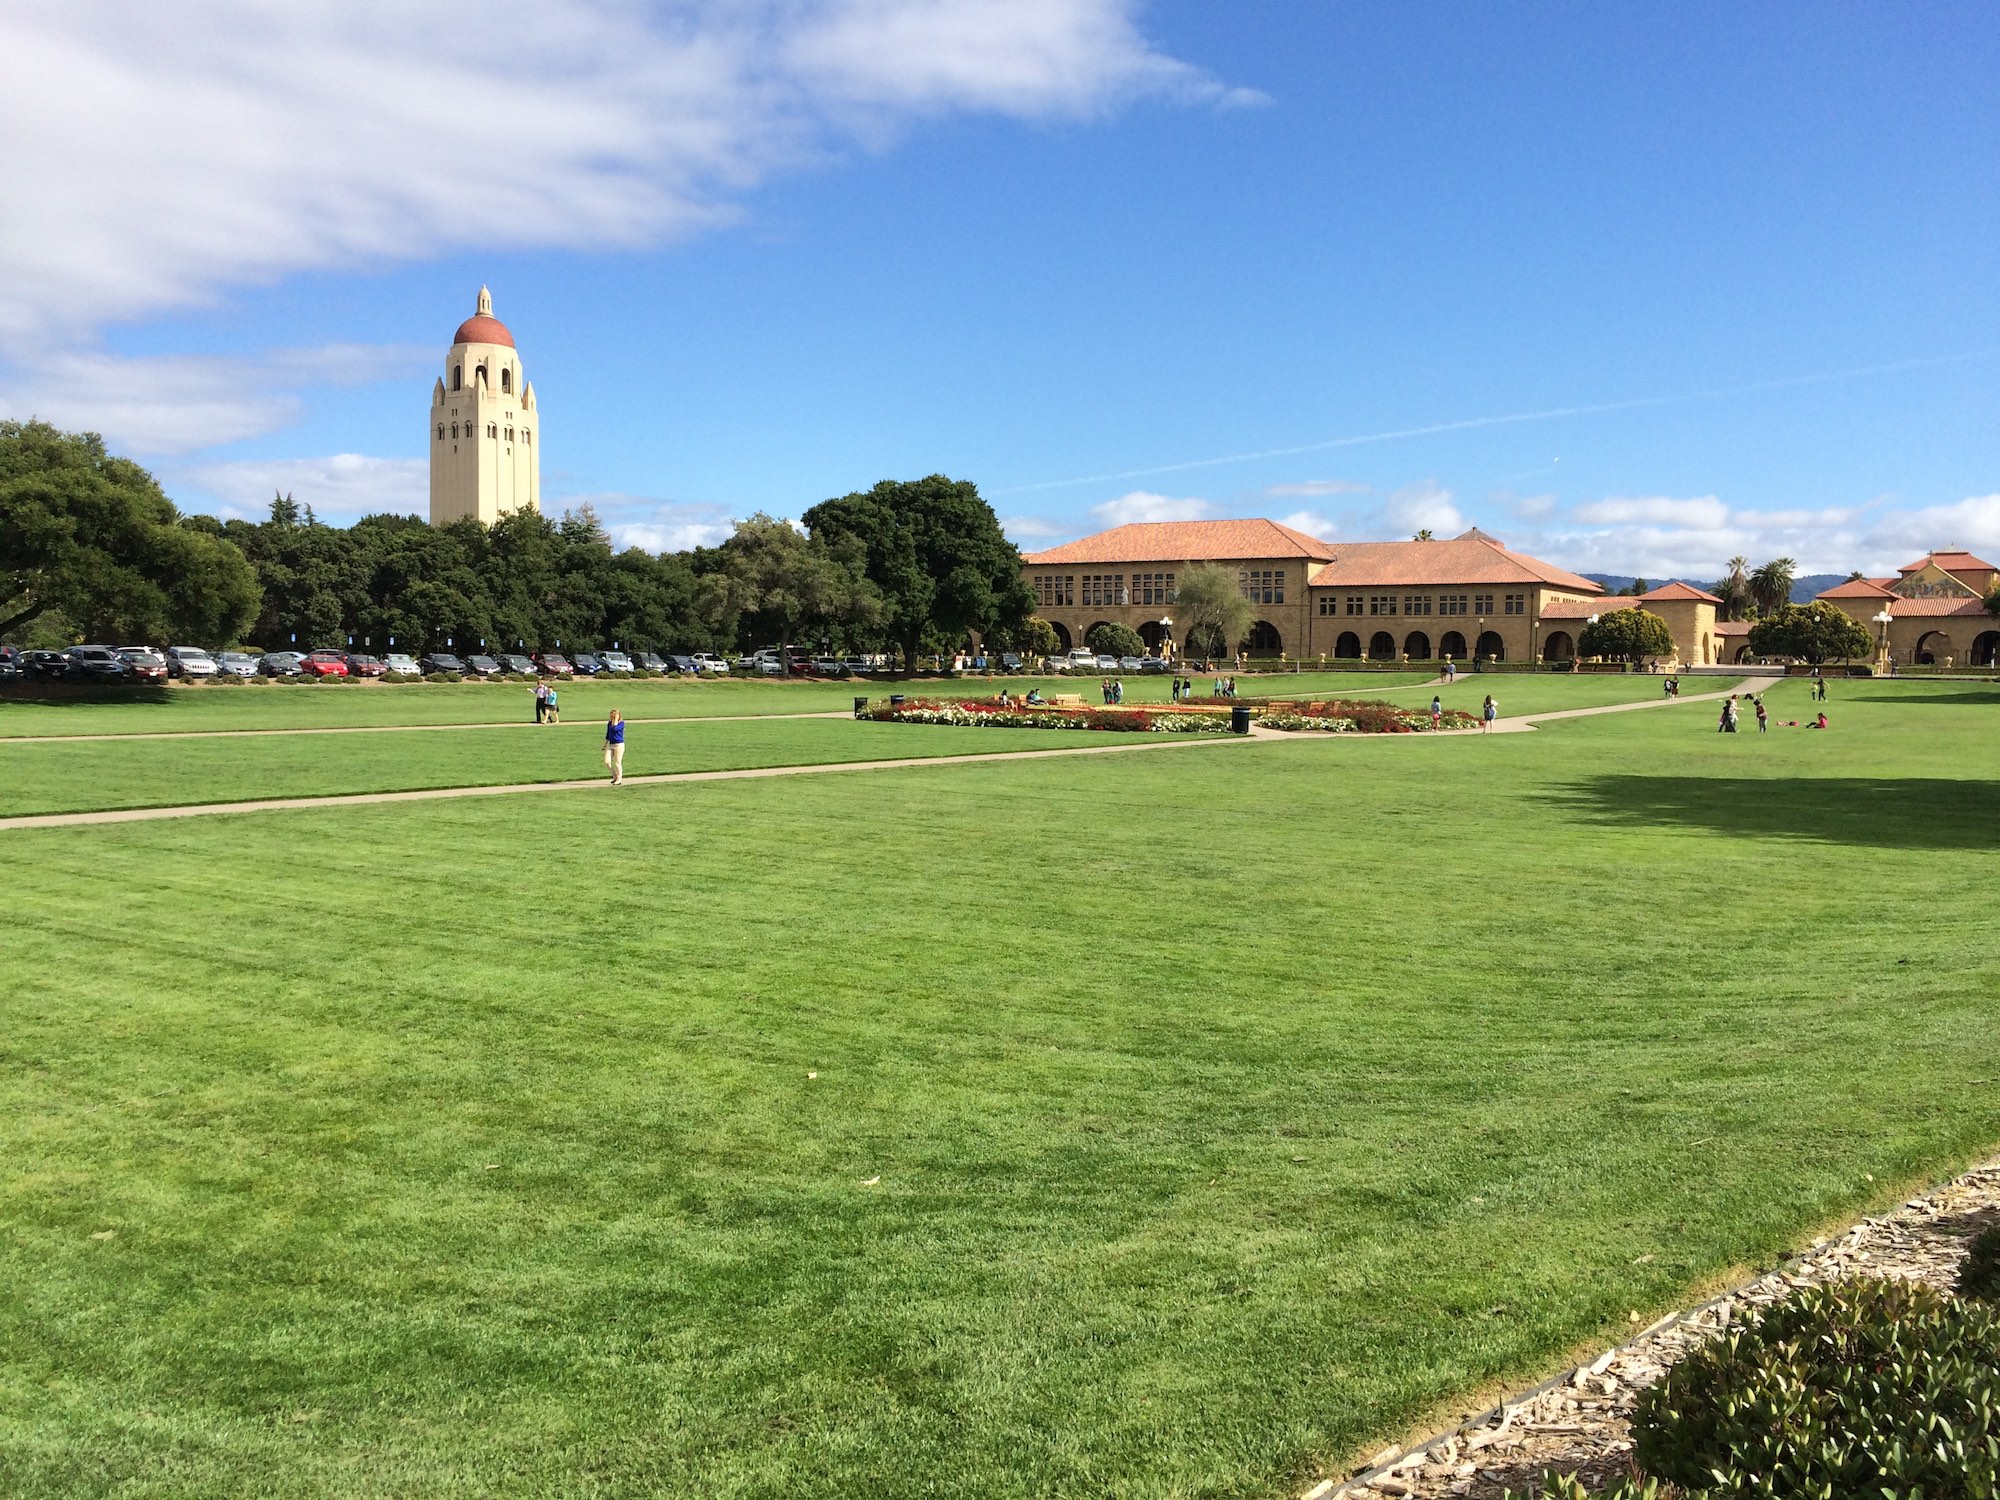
column 236, row 664
column 190, row 662
column 615, row 661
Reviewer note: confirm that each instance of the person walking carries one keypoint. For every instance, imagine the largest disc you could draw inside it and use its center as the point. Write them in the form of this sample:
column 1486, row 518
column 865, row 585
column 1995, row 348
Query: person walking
column 614, row 747
column 1437, row 712
column 1488, row 712
column 541, row 700
column 552, row 708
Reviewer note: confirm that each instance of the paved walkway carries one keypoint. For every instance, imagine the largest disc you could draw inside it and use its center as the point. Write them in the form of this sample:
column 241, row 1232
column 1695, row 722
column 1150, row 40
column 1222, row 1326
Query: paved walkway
column 1126, row 745
column 237, row 734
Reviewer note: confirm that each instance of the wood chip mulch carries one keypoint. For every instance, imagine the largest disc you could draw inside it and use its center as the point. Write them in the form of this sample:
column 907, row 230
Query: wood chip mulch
column 1577, row 1423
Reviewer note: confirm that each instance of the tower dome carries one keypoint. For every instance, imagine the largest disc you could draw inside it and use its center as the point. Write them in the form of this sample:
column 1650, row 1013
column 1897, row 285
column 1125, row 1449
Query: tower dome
column 482, row 327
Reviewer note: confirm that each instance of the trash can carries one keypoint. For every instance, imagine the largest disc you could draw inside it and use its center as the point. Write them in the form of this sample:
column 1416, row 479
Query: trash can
column 860, row 708
column 895, row 700
column 1239, row 718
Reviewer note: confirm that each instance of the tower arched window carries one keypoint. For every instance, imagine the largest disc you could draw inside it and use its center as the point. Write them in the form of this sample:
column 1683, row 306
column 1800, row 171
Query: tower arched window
column 458, row 377
column 506, row 380
column 493, row 429
column 440, row 432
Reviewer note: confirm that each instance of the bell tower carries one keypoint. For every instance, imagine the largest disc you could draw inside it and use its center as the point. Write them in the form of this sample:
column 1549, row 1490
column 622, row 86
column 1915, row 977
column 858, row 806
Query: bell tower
column 485, row 431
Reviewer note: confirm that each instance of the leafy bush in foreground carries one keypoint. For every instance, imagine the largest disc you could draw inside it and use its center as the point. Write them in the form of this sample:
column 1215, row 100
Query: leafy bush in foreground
column 1879, row 1388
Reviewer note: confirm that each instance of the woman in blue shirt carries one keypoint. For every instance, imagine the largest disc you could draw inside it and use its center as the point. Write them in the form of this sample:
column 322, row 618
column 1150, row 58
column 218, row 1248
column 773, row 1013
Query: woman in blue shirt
column 614, row 746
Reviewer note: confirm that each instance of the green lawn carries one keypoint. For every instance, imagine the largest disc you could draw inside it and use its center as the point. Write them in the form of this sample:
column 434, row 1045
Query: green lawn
column 1183, row 1123
column 73, row 776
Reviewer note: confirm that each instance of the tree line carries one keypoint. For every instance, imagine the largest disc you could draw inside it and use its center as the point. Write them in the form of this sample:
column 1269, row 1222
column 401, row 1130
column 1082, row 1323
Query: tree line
column 91, row 548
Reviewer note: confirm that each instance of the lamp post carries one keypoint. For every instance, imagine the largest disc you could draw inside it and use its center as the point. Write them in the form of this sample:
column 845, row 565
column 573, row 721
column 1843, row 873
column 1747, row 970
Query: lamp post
column 1478, row 640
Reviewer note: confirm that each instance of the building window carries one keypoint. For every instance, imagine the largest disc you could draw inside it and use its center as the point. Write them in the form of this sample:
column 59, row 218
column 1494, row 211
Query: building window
column 527, row 436
column 1328, row 605
column 1055, row 591
column 1381, row 604
column 1517, row 604
column 493, row 429
column 507, row 381
column 1452, row 604
column 1152, row 588
column 1416, row 604
column 1354, row 607
column 1482, row 604
column 510, row 434
column 458, row 377
column 440, row 432
column 1103, row 589
column 1262, row 585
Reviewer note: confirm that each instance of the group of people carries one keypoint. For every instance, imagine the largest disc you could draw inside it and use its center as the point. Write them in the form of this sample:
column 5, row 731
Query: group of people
column 1113, row 689
column 548, row 708
column 1732, row 713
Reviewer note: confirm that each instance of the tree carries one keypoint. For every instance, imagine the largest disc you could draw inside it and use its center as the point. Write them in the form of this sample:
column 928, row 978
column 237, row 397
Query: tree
column 1734, row 591
column 1631, row 634
column 1034, row 636
column 1771, row 585
column 935, row 553
column 784, row 587
column 1811, row 633
column 92, row 537
column 1423, row 536
column 1993, row 602
column 1212, row 613
column 1111, row 639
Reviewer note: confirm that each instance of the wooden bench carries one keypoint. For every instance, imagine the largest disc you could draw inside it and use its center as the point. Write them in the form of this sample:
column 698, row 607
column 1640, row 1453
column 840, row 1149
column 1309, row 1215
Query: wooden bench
column 1066, row 700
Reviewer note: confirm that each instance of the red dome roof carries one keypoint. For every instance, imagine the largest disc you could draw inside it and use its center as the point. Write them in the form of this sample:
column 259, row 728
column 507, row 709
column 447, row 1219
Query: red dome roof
column 483, row 329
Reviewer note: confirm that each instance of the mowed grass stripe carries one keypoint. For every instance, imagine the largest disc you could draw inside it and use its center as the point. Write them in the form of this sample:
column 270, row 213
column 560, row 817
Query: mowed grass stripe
column 1229, row 1112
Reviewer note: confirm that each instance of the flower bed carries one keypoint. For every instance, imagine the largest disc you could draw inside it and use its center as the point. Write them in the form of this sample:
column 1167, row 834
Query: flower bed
column 1359, row 716
column 988, row 713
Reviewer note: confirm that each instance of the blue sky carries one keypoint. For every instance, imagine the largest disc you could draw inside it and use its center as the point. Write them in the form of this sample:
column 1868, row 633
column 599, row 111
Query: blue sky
column 1093, row 255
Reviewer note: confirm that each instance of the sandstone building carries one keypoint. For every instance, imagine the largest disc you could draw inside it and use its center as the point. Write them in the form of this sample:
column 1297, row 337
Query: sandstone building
column 1931, row 613
column 485, row 432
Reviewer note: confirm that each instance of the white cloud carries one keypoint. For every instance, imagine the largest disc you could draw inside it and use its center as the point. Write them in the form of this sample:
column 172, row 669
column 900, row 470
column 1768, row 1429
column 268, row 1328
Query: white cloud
column 1143, row 505
column 1314, row 487
column 1535, row 507
column 159, row 156
column 653, row 525
column 1418, row 507
column 1703, row 513
column 165, row 404
column 1031, row 529
column 1312, row 523
column 340, row 488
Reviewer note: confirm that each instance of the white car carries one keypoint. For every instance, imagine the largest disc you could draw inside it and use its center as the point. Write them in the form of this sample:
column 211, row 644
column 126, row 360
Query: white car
column 237, row 664
column 1080, row 660
column 714, row 666
column 615, row 661
column 402, row 666
column 190, row 662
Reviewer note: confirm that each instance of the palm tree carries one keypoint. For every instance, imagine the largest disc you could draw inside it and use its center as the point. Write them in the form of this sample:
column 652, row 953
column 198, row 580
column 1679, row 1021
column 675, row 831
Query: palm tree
column 1735, row 590
column 1422, row 536
column 1771, row 585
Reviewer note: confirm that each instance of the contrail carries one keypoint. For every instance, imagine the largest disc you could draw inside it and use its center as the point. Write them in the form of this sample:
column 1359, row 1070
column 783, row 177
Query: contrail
column 1507, row 420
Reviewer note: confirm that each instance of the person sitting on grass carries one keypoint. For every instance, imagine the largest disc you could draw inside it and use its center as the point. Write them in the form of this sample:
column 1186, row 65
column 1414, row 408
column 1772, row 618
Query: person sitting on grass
column 1819, row 722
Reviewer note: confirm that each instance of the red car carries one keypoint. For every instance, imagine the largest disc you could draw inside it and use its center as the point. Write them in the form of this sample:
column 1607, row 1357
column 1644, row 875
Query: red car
column 325, row 664
column 364, row 666
column 551, row 665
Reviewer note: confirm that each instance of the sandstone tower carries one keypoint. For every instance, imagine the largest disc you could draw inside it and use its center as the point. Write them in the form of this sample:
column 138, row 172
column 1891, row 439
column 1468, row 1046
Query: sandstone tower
column 485, row 432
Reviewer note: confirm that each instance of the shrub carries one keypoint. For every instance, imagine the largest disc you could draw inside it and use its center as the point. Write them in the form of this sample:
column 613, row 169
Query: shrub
column 446, row 677
column 1860, row 1388
column 1980, row 1275
column 1567, row 1487
column 1112, row 639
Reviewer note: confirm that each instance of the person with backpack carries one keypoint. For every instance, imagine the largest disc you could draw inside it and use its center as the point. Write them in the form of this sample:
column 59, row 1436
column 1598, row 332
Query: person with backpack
column 1437, row 712
column 1488, row 712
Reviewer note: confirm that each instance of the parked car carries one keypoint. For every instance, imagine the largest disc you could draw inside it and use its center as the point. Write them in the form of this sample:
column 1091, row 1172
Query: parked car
column 439, row 661
column 11, row 669
column 1010, row 661
column 236, row 664
column 280, row 663
column 147, row 664
column 45, row 666
column 1107, row 663
column 652, row 661
column 710, row 666
column 685, row 665
column 1152, row 666
column 587, row 663
column 401, row 665
column 364, row 666
column 324, row 664
column 97, row 664
column 483, row 666
column 553, row 665
column 509, row 662
column 189, row 662
column 615, row 661
column 1130, row 664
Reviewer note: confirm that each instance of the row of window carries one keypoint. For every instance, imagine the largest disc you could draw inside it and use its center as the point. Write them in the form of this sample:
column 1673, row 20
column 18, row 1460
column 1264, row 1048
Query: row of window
column 1262, row 585
column 1419, row 604
column 458, row 378
column 1058, row 590
column 492, row 431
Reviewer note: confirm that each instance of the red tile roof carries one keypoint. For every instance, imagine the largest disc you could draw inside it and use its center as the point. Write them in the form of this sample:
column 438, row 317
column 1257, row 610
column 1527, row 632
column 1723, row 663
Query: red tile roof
column 1187, row 541
column 1463, row 559
column 1680, row 591
column 483, row 329
column 1582, row 609
column 1856, row 588
column 1732, row 627
column 1951, row 562
column 1903, row 609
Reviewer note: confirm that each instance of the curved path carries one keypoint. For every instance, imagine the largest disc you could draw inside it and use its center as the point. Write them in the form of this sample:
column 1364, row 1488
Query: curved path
column 1127, row 746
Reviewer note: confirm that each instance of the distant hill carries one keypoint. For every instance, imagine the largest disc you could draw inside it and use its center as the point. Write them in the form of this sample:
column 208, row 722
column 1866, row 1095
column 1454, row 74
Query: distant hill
column 1804, row 590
